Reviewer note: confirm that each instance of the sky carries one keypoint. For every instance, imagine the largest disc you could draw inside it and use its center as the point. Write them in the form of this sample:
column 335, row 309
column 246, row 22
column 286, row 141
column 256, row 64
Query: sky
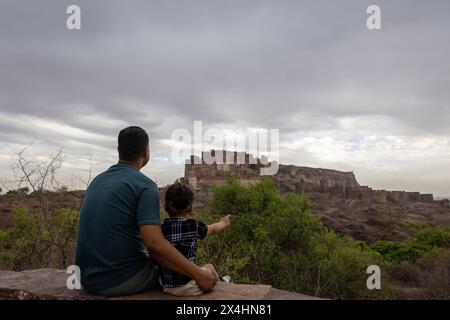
column 375, row 102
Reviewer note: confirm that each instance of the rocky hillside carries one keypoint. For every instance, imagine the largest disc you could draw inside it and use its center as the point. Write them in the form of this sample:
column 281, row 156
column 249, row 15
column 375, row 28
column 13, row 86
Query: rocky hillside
column 69, row 200
column 372, row 221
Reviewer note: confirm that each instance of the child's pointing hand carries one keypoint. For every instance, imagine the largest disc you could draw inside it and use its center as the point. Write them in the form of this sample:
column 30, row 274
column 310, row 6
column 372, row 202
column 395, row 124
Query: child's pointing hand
column 226, row 220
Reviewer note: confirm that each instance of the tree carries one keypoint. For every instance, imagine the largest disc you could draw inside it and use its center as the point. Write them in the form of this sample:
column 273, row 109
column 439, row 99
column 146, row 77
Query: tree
column 52, row 228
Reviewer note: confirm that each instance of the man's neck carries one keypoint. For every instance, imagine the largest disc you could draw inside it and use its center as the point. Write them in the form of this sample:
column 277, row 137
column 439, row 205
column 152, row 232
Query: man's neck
column 135, row 164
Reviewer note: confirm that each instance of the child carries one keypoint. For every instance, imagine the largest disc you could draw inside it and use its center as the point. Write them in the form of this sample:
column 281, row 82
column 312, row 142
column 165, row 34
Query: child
column 183, row 233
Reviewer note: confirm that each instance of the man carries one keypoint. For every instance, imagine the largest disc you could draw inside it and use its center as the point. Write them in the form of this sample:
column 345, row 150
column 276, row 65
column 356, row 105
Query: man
column 120, row 239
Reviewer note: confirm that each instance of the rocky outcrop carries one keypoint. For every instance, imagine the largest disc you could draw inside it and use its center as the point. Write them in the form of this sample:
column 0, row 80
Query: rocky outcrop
column 50, row 284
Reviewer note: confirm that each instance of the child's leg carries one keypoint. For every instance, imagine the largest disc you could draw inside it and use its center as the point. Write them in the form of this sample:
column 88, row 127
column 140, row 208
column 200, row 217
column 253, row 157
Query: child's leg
column 191, row 288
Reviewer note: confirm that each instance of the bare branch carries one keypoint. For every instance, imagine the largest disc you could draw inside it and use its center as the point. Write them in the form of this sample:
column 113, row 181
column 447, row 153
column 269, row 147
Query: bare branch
column 89, row 173
column 27, row 169
column 49, row 170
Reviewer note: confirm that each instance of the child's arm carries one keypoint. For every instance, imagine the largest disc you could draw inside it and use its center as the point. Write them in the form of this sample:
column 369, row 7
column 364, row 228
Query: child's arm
column 219, row 226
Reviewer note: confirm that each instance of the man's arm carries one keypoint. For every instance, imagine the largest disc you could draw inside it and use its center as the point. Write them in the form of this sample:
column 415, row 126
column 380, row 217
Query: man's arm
column 219, row 226
column 167, row 255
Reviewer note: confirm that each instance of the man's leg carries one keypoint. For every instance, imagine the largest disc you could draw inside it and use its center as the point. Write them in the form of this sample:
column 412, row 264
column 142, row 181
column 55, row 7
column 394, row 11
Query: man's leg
column 144, row 280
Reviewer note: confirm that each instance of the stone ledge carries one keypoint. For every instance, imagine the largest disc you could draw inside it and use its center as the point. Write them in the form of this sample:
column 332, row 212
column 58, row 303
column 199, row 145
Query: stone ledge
column 50, row 284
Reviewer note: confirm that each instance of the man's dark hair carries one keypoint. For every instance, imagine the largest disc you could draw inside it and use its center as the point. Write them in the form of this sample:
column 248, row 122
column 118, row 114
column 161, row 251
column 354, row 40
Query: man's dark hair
column 179, row 198
column 132, row 143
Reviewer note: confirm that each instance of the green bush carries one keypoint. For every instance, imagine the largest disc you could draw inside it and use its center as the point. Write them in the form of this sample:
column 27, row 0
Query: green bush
column 393, row 251
column 427, row 239
column 436, row 237
column 38, row 241
column 276, row 240
column 18, row 243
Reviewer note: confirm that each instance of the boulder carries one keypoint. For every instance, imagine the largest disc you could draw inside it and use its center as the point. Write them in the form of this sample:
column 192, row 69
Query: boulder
column 50, row 284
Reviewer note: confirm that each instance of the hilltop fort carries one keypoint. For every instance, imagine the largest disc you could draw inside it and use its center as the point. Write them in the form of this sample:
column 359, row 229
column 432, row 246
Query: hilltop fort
column 215, row 167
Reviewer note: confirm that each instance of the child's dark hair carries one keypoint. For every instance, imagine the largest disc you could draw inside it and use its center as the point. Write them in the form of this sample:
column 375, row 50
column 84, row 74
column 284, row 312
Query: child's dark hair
column 179, row 199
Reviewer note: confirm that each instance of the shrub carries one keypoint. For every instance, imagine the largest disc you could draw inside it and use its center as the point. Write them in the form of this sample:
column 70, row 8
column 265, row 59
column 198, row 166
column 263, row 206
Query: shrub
column 36, row 241
column 276, row 240
column 24, row 190
column 426, row 240
column 437, row 237
column 393, row 251
column 435, row 275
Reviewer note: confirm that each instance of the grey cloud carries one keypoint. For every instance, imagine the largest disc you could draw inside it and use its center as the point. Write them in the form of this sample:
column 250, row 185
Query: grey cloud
column 292, row 65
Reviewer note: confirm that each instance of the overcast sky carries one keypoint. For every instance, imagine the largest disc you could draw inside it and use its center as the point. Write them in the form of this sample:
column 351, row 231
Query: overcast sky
column 343, row 97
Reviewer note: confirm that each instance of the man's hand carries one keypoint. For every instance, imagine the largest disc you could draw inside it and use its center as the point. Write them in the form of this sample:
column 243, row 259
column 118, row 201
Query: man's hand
column 226, row 220
column 206, row 280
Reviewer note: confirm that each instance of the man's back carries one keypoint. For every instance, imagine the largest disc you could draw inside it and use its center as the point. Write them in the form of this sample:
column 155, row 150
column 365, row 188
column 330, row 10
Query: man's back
column 110, row 249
